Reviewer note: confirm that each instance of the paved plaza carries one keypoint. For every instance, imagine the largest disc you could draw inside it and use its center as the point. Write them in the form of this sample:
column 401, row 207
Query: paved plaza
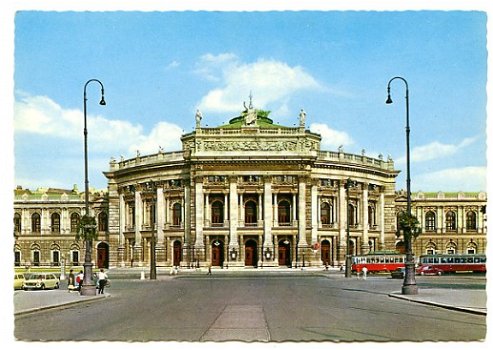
column 263, row 307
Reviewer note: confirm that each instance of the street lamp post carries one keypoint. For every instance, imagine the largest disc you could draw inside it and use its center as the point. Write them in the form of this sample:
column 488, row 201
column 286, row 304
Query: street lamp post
column 409, row 286
column 88, row 286
column 349, row 183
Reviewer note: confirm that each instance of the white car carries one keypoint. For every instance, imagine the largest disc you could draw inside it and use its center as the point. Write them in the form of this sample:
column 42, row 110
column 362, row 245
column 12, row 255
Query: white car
column 41, row 280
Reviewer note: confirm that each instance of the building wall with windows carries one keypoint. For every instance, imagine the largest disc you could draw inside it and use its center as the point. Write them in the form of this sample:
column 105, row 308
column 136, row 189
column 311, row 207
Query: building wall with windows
column 452, row 223
column 246, row 194
column 46, row 222
column 249, row 193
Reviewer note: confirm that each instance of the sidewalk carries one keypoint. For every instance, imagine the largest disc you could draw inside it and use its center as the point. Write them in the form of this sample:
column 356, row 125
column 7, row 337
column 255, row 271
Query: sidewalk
column 465, row 300
column 31, row 301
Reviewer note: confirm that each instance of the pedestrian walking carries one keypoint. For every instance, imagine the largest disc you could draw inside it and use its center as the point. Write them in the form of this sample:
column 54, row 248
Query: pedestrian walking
column 71, row 280
column 209, row 271
column 365, row 271
column 79, row 280
column 102, row 280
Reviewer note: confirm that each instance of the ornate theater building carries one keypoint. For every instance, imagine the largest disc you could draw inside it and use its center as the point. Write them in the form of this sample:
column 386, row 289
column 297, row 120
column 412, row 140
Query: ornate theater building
column 249, row 193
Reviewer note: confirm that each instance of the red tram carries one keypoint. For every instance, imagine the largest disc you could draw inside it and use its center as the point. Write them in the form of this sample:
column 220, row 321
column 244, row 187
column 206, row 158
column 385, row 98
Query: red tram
column 378, row 262
column 455, row 262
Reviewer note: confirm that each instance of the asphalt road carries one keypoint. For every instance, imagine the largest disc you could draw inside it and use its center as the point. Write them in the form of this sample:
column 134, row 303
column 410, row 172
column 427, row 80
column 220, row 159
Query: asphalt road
column 260, row 308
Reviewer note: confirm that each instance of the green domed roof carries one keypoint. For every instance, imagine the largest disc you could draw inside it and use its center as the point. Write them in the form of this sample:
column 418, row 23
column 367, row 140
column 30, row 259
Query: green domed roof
column 262, row 120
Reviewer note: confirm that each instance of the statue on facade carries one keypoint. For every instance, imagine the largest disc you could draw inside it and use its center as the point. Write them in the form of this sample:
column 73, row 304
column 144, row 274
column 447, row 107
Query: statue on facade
column 302, row 118
column 250, row 113
column 198, row 118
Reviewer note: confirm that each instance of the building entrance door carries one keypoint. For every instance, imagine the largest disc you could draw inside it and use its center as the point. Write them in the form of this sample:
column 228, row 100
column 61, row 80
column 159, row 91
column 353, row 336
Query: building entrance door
column 251, row 253
column 284, row 251
column 325, row 253
column 102, row 258
column 176, row 253
column 217, row 253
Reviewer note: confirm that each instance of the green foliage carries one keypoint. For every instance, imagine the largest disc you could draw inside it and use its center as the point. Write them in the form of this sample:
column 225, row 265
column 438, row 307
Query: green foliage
column 262, row 114
column 87, row 228
column 409, row 225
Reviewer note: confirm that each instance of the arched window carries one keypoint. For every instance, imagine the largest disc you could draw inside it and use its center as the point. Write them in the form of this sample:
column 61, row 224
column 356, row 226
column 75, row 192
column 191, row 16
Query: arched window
column 352, row 217
column 284, row 213
column 430, row 221
column 103, row 221
column 36, row 223
column 471, row 220
column 450, row 221
column 74, row 222
column 217, row 213
column 176, row 214
column 250, row 213
column 55, row 223
column 431, row 248
column 326, row 214
column 372, row 218
column 17, row 223
column 451, row 248
column 471, row 248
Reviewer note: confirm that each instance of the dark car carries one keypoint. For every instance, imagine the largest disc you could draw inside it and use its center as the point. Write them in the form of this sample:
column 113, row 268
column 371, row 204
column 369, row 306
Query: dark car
column 399, row 273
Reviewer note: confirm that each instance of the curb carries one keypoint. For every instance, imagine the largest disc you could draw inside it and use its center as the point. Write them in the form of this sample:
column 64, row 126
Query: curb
column 445, row 306
column 54, row 306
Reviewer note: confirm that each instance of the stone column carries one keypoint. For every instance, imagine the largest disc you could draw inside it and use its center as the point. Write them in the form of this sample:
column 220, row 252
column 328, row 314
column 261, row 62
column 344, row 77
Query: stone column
column 233, row 222
column 233, row 213
column 365, row 247
column 382, row 219
column 137, row 228
column 160, row 210
column 207, row 214
column 341, row 248
column 268, row 213
column 199, row 214
column 302, row 213
column 226, row 210
column 241, row 206
column 315, row 213
column 276, row 214
column 121, row 229
column 295, row 204
column 45, row 221
column 25, row 222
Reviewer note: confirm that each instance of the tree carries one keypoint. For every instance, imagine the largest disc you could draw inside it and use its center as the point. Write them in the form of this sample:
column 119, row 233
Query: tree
column 409, row 225
column 87, row 228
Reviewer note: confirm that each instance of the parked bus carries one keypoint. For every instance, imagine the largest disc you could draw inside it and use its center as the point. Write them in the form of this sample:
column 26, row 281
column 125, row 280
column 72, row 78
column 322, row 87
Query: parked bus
column 455, row 262
column 378, row 262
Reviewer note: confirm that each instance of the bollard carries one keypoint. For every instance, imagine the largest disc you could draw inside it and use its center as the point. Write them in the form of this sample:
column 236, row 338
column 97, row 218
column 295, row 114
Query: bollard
column 142, row 275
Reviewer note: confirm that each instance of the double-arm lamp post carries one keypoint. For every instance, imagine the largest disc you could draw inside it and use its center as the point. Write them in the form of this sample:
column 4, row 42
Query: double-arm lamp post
column 88, row 287
column 409, row 286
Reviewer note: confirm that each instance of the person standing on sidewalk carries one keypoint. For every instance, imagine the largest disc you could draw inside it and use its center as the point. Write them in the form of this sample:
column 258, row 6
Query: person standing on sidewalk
column 79, row 279
column 71, row 281
column 102, row 279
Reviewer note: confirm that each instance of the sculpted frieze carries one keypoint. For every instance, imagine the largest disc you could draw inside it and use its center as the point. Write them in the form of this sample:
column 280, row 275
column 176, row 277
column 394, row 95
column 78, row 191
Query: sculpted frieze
column 255, row 145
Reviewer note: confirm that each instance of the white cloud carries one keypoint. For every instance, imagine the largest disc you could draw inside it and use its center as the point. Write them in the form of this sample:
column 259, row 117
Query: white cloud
column 436, row 150
column 165, row 135
column 172, row 65
column 269, row 80
column 41, row 115
column 452, row 179
column 331, row 138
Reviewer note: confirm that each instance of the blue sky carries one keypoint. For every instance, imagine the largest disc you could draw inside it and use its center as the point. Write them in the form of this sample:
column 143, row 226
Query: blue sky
column 159, row 67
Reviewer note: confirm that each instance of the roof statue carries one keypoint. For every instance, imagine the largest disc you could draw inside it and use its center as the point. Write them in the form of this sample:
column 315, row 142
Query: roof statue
column 198, row 118
column 251, row 113
column 302, row 118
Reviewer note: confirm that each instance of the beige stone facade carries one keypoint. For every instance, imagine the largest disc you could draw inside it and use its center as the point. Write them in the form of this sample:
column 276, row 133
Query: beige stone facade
column 452, row 223
column 246, row 194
